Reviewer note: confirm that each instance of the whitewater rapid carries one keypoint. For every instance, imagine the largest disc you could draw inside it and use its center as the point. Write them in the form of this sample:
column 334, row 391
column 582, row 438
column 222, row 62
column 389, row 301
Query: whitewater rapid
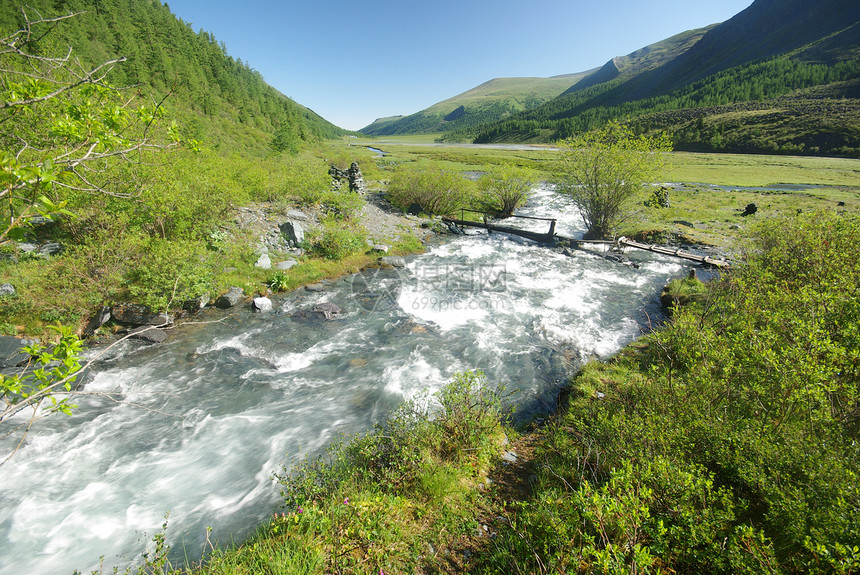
column 198, row 425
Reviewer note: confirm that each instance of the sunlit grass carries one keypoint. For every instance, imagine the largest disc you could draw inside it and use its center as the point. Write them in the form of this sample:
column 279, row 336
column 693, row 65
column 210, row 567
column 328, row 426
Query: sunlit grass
column 757, row 170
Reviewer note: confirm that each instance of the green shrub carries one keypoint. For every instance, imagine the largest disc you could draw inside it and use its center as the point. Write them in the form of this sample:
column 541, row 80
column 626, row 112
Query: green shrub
column 437, row 191
column 340, row 204
column 280, row 281
column 681, row 292
column 336, row 240
column 468, row 417
column 507, row 187
column 170, row 274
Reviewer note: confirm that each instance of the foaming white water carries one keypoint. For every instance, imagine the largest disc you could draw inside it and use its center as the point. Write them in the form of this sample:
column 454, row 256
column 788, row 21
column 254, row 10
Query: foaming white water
column 197, row 426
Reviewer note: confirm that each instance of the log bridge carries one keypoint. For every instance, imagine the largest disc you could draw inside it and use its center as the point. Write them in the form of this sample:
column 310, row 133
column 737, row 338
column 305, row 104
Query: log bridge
column 550, row 237
column 546, row 238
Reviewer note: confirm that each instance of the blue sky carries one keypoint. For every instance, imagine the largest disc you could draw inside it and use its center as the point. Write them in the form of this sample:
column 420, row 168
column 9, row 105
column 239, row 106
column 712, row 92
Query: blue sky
column 355, row 61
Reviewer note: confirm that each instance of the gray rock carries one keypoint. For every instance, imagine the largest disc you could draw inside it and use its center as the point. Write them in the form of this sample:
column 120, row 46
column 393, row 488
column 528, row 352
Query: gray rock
column 10, row 351
column 27, row 247
column 42, row 222
column 264, row 262
column 231, row 298
column 7, row 289
column 285, row 265
column 98, row 320
column 294, row 232
column 51, row 249
column 297, row 215
column 315, row 287
column 393, row 261
column 327, row 309
column 160, row 319
column 196, row 304
column 381, row 248
column 262, row 305
column 131, row 313
column 149, row 333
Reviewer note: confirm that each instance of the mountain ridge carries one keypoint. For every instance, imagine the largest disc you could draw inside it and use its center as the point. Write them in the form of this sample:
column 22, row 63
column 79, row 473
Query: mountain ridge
column 493, row 99
column 767, row 51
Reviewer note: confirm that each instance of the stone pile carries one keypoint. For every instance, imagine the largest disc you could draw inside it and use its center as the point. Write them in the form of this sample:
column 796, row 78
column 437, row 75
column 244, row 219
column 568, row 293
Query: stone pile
column 351, row 175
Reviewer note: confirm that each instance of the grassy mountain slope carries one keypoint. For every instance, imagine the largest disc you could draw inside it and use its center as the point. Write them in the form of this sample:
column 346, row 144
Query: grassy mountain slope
column 766, row 52
column 766, row 29
column 493, row 100
column 647, row 58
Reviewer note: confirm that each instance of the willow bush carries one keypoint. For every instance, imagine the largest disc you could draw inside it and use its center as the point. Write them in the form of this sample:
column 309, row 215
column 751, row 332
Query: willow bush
column 434, row 190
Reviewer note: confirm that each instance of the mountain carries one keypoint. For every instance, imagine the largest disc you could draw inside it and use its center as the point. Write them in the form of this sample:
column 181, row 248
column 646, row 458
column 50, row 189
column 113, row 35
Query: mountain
column 648, row 58
column 502, row 98
column 493, row 100
column 777, row 77
column 221, row 100
column 766, row 29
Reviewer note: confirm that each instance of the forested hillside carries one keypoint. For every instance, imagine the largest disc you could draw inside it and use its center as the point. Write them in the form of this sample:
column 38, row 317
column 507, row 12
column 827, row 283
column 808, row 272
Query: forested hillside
column 219, row 99
column 140, row 165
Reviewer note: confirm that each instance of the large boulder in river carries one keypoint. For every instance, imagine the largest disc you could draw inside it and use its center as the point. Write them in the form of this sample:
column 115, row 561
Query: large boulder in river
column 262, row 305
column 327, row 309
column 231, row 298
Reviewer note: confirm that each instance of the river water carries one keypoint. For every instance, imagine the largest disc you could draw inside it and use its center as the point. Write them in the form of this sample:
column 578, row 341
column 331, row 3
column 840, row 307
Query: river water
column 197, row 426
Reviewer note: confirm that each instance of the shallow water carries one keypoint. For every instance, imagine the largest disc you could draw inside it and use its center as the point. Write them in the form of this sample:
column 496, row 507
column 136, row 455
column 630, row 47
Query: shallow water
column 205, row 419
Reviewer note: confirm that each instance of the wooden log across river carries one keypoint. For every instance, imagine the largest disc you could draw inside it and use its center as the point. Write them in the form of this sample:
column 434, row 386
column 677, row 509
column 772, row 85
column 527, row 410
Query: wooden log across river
column 551, row 237
column 706, row 260
column 545, row 238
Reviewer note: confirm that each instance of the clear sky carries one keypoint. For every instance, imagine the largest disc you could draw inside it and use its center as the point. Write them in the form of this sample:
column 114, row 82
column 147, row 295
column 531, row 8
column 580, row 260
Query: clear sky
column 353, row 61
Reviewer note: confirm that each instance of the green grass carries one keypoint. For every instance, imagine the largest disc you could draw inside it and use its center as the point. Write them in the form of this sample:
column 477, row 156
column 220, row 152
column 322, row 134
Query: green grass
column 759, row 170
column 706, row 215
column 402, row 139
column 690, row 452
column 714, row 213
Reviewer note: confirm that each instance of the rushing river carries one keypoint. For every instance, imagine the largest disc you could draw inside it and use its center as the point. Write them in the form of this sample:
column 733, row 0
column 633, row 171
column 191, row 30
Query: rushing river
column 207, row 417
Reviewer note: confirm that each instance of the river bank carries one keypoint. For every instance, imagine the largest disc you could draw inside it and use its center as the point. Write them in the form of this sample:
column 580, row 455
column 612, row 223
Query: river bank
column 197, row 425
column 647, row 463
